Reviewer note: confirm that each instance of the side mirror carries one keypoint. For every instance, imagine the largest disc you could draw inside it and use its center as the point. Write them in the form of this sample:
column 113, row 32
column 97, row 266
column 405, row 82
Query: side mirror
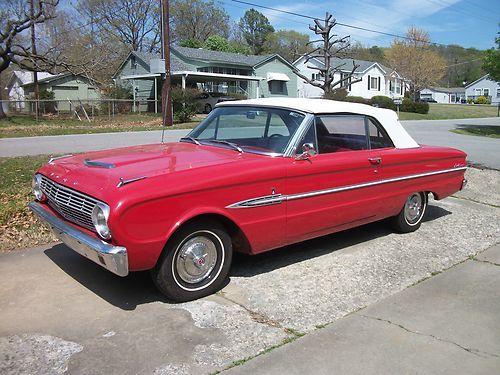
column 308, row 151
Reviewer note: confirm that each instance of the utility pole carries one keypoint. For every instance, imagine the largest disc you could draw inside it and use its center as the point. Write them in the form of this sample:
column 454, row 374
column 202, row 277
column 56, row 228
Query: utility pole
column 166, row 97
column 33, row 52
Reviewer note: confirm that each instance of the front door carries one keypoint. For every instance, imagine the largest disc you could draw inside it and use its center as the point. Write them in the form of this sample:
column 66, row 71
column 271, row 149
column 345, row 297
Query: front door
column 337, row 188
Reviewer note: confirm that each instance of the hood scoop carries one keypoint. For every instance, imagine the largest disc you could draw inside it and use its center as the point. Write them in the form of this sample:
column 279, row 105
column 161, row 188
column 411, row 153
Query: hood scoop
column 98, row 164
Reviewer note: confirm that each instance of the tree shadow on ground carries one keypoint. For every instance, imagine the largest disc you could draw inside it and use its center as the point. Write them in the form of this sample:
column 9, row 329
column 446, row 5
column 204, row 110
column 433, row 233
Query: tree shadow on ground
column 137, row 288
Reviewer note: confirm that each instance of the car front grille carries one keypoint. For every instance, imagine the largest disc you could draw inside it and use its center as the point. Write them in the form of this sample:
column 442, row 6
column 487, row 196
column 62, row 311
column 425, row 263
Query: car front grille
column 70, row 204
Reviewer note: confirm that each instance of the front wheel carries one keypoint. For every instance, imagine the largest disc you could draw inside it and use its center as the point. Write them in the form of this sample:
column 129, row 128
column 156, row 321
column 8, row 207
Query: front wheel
column 411, row 215
column 195, row 262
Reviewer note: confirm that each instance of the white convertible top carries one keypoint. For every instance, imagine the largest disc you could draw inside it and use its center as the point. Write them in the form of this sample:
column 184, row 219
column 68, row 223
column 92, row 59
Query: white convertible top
column 387, row 118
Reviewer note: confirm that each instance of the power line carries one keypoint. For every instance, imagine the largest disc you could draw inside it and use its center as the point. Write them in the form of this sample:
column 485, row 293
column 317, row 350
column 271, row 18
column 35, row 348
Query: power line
column 338, row 23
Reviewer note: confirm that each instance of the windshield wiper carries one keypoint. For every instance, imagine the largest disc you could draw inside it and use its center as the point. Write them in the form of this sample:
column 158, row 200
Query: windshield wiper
column 231, row 144
column 194, row 140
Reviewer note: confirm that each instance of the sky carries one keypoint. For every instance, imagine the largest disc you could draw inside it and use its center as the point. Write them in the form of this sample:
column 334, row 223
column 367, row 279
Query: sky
column 469, row 23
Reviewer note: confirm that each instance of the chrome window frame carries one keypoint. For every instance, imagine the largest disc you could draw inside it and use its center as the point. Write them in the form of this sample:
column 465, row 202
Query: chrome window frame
column 292, row 143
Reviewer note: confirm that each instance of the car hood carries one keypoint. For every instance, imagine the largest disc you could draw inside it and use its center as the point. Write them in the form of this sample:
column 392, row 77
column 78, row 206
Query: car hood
column 95, row 172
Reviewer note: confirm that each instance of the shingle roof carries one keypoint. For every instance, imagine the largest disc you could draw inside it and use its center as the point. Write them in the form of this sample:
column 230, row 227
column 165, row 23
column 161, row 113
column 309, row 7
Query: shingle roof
column 450, row 90
column 226, row 57
column 176, row 64
column 348, row 64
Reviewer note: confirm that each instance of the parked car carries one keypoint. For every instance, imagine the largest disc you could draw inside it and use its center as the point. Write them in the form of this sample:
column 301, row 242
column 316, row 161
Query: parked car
column 428, row 100
column 255, row 175
column 208, row 100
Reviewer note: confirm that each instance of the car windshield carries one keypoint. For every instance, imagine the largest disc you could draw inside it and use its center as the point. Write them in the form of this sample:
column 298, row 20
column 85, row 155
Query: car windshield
column 251, row 129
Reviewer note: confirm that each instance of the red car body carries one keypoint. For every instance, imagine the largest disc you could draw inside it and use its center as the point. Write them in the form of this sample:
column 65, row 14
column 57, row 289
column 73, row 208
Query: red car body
column 264, row 201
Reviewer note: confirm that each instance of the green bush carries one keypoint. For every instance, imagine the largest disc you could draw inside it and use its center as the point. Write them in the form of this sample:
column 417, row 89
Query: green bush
column 184, row 103
column 470, row 101
column 482, row 100
column 336, row 94
column 47, row 103
column 358, row 99
column 383, row 102
column 415, row 107
column 238, row 96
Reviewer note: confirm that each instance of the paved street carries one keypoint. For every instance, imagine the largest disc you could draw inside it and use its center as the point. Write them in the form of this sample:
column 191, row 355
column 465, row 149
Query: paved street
column 61, row 312
column 481, row 150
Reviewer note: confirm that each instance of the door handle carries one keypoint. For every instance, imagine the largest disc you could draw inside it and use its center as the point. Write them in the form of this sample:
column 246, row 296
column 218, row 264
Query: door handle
column 375, row 161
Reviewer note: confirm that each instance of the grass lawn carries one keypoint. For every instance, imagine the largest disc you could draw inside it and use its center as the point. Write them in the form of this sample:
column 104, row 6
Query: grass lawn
column 452, row 111
column 484, row 131
column 18, row 226
column 25, row 126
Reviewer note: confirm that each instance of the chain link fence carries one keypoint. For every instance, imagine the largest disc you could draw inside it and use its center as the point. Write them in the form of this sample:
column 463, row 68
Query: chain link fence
column 83, row 110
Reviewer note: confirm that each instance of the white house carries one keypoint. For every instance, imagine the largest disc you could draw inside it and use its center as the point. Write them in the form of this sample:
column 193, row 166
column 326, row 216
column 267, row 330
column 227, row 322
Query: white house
column 443, row 94
column 486, row 87
column 15, row 86
column 376, row 79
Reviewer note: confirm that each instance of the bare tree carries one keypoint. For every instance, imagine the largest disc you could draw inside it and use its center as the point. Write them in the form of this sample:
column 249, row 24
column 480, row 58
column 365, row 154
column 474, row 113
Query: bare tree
column 16, row 19
column 330, row 46
column 133, row 23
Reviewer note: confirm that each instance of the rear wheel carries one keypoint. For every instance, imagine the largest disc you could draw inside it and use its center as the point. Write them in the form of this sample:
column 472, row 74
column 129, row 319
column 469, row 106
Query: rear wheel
column 195, row 262
column 411, row 215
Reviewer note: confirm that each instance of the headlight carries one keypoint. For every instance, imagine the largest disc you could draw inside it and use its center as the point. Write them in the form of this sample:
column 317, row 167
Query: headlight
column 100, row 215
column 37, row 188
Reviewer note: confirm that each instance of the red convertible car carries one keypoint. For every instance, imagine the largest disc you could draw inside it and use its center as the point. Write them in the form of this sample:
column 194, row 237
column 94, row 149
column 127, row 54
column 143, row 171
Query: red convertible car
column 255, row 175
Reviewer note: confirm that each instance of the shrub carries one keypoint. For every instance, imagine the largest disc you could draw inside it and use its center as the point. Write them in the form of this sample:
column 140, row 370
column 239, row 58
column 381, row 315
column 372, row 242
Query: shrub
column 238, row 96
column 482, row 100
column 47, row 103
column 416, row 107
column 383, row 102
column 358, row 99
column 470, row 101
column 337, row 94
column 184, row 103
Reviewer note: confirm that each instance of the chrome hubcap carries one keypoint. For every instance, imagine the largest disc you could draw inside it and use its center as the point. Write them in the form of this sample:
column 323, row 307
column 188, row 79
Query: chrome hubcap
column 413, row 208
column 196, row 259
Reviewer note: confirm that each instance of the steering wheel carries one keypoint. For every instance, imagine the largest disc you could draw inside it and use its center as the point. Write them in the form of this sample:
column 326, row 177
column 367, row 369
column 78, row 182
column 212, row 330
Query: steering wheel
column 275, row 135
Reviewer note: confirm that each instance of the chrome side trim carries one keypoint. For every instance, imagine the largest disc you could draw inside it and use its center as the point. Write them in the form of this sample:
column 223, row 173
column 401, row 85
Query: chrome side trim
column 113, row 258
column 259, row 201
column 99, row 164
column 267, row 200
column 129, row 181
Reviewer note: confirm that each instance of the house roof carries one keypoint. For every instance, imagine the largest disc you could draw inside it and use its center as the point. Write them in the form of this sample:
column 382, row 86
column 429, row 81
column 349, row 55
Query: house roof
column 55, row 77
column 448, row 90
column 348, row 64
column 486, row 76
column 27, row 77
column 176, row 64
column 224, row 57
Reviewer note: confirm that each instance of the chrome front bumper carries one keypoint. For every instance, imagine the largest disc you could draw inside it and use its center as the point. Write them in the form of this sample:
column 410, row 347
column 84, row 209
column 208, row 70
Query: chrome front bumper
column 113, row 258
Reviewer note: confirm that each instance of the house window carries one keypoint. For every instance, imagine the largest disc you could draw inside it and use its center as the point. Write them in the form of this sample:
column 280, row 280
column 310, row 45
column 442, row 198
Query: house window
column 374, row 83
column 478, row 92
column 317, row 76
column 276, row 87
column 498, row 93
column 133, row 62
column 486, row 92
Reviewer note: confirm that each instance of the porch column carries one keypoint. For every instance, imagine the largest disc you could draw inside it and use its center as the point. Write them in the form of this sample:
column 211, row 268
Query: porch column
column 257, row 90
column 183, row 81
column 156, row 95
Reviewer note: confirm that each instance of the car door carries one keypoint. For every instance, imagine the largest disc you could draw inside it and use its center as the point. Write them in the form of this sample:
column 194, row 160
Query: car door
column 335, row 189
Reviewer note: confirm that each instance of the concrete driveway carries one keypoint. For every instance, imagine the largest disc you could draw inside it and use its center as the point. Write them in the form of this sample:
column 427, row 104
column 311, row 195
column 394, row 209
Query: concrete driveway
column 61, row 312
column 481, row 150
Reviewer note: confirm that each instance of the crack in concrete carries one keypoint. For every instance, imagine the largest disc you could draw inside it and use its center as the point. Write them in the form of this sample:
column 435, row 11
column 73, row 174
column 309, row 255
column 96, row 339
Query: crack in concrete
column 475, row 201
column 486, row 261
column 256, row 316
column 476, row 352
